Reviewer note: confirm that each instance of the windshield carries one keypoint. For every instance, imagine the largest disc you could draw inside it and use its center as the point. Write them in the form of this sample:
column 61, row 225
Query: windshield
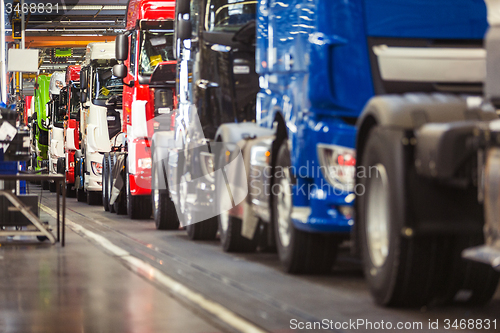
column 75, row 101
column 157, row 46
column 105, row 84
column 229, row 15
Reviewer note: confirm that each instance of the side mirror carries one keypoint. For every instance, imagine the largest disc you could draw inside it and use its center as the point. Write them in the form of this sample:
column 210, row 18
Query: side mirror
column 121, row 47
column 83, row 97
column 120, row 71
column 83, row 80
column 184, row 29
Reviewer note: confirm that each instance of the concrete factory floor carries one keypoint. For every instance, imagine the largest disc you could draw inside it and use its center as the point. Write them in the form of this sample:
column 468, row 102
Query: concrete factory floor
column 79, row 288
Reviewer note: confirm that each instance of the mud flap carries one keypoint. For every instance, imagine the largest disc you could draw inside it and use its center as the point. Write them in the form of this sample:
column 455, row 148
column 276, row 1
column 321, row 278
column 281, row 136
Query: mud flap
column 250, row 221
column 118, row 181
column 490, row 253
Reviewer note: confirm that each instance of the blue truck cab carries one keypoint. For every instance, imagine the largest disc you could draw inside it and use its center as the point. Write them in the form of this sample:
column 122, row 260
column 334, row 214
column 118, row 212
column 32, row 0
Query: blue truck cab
column 319, row 62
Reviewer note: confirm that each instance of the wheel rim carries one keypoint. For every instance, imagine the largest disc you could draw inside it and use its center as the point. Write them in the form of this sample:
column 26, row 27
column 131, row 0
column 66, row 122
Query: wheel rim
column 110, row 184
column 183, row 189
column 156, row 192
column 284, row 208
column 224, row 221
column 377, row 217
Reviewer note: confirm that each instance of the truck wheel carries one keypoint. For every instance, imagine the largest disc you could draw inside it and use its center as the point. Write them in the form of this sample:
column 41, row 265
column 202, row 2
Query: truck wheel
column 400, row 271
column 164, row 212
column 52, row 186
column 204, row 230
column 299, row 251
column 138, row 206
column 111, row 163
column 105, row 187
column 230, row 235
column 94, row 198
column 80, row 195
column 45, row 185
column 469, row 283
column 230, row 226
column 70, row 191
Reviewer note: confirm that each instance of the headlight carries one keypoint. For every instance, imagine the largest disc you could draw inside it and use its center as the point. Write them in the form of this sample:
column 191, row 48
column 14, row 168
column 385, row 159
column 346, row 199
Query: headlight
column 96, row 168
column 144, row 163
column 207, row 163
column 338, row 165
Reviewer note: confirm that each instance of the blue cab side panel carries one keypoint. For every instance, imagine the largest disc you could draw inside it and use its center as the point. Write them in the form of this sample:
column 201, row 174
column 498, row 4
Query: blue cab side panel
column 340, row 74
column 437, row 19
column 314, row 66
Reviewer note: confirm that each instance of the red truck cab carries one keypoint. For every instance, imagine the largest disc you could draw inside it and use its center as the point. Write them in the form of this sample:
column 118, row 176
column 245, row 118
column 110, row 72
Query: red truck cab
column 147, row 45
column 72, row 124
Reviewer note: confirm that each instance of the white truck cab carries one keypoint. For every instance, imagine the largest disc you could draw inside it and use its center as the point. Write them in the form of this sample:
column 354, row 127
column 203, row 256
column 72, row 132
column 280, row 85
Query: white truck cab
column 97, row 84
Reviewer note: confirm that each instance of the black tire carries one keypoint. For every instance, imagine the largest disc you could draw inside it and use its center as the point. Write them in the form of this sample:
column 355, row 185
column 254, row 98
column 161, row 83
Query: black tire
column 94, row 198
column 105, row 180
column 111, row 163
column 204, row 230
column 163, row 207
column 70, row 191
column 138, row 206
column 300, row 252
column 80, row 195
column 231, row 238
column 412, row 270
column 230, row 226
column 45, row 185
column 120, row 205
column 52, row 187
column 469, row 283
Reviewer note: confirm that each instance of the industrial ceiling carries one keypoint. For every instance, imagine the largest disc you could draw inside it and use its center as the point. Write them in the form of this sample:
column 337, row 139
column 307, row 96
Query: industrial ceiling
column 71, row 24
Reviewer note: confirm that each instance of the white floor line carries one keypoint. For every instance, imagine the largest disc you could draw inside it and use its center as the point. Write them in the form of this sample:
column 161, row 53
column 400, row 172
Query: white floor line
column 152, row 273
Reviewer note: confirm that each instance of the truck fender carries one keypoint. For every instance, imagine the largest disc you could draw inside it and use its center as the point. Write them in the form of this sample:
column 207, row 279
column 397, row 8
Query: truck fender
column 162, row 144
column 244, row 134
column 411, row 111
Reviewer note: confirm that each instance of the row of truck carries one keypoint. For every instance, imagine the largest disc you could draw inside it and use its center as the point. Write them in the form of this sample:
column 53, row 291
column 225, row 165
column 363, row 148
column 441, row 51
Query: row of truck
column 295, row 126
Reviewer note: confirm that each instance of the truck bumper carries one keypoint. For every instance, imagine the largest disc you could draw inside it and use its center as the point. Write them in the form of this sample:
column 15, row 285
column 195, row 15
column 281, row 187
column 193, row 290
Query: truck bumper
column 140, row 184
column 139, row 169
column 325, row 215
column 329, row 208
